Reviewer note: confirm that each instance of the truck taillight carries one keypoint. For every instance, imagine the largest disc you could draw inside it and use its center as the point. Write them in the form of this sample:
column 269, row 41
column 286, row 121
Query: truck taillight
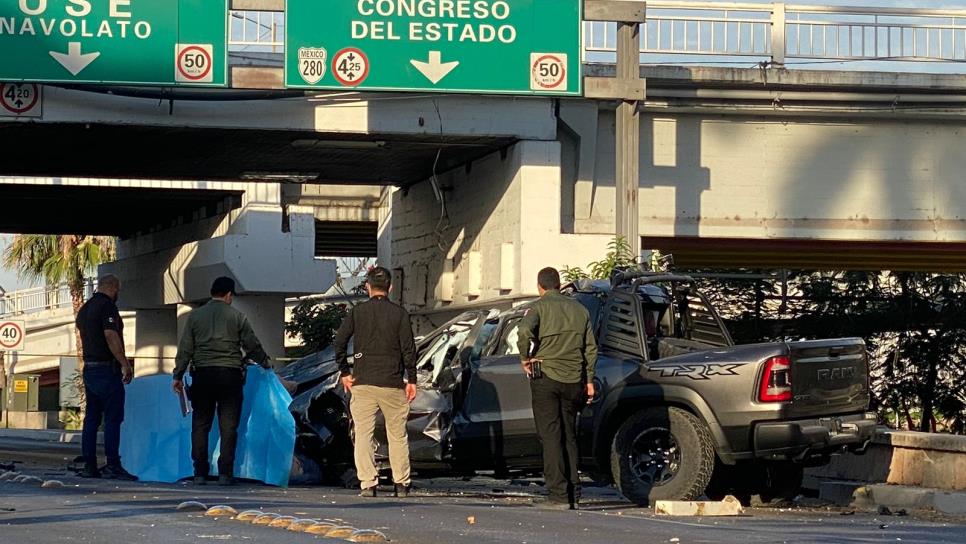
column 776, row 381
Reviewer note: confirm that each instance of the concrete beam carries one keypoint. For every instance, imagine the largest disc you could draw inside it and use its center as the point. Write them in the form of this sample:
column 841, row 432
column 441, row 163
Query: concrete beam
column 604, row 88
column 389, row 114
column 258, row 5
column 691, row 76
column 255, row 77
column 620, row 11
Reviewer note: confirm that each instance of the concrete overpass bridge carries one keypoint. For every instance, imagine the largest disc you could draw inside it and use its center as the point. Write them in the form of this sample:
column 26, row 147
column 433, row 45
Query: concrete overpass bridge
column 466, row 197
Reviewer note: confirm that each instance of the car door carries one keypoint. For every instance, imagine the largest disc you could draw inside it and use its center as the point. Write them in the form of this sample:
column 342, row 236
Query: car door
column 494, row 426
column 441, row 357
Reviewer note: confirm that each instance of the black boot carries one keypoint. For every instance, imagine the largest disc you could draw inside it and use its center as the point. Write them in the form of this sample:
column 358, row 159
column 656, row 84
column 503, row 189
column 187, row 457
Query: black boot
column 117, row 472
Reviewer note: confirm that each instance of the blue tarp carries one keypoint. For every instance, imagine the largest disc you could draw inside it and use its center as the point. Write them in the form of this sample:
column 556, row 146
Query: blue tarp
column 156, row 439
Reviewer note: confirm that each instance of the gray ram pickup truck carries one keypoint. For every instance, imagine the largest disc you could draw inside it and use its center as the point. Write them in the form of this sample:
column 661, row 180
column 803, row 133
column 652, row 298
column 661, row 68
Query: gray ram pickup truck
column 680, row 410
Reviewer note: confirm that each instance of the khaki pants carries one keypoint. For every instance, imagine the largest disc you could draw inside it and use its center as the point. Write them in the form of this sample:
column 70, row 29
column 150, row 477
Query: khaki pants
column 367, row 400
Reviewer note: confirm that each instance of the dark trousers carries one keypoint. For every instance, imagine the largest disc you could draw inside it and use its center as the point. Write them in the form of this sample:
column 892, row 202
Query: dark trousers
column 104, row 391
column 555, row 409
column 215, row 389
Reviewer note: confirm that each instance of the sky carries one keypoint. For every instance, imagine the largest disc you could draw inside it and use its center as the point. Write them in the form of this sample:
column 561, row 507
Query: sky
column 8, row 278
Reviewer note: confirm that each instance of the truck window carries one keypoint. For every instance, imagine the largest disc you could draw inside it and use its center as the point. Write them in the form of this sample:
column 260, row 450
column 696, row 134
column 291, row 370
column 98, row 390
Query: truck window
column 699, row 322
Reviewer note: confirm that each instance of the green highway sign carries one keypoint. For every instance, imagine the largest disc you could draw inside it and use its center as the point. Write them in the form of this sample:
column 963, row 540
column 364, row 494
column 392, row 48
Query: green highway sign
column 140, row 42
column 478, row 46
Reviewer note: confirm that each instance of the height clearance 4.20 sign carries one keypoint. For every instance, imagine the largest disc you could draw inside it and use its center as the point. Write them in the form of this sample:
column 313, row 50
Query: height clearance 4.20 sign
column 148, row 42
column 479, row 46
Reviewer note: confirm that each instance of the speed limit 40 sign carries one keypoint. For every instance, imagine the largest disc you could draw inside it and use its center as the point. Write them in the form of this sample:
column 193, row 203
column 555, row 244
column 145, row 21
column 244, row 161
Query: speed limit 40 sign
column 193, row 63
column 12, row 335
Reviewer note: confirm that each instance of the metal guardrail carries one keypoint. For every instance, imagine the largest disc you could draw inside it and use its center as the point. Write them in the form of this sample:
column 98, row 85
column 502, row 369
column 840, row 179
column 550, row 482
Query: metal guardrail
column 789, row 31
column 38, row 299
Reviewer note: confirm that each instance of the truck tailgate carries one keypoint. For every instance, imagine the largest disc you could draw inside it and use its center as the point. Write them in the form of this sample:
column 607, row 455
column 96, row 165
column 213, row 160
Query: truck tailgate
column 829, row 377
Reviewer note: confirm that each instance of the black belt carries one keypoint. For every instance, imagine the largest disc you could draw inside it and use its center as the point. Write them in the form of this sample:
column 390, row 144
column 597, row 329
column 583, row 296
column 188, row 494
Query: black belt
column 98, row 364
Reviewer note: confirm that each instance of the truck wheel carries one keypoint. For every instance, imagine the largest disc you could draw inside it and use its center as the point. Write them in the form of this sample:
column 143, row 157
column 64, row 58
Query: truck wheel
column 662, row 453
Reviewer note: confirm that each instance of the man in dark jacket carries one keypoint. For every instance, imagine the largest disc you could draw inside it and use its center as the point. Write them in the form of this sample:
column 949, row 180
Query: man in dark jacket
column 216, row 343
column 556, row 334
column 384, row 348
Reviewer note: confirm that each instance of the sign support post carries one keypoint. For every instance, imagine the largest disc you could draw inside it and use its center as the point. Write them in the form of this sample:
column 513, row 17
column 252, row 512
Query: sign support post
column 629, row 89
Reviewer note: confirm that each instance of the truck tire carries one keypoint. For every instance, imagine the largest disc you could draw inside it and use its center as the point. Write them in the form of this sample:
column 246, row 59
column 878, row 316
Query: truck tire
column 662, row 454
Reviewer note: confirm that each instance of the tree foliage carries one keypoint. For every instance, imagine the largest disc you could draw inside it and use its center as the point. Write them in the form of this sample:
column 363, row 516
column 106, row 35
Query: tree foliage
column 56, row 259
column 315, row 324
column 618, row 255
column 914, row 325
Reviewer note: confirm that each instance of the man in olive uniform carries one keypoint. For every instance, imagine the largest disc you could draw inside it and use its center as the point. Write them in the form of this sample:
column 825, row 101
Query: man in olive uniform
column 558, row 352
column 216, row 343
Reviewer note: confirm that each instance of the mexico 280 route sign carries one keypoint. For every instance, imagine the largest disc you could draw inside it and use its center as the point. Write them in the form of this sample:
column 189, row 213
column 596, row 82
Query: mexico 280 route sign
column 477, row 46
column 145, row 42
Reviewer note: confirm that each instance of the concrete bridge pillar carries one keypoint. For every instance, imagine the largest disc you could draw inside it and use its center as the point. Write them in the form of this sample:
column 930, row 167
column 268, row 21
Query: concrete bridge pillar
column 503, row 223
column 268, row 249
column 265, row 313
column 155, row 341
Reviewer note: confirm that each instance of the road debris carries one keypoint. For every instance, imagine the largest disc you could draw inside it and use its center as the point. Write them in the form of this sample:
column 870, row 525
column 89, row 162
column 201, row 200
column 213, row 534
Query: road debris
column 729, row 506
column 52, row 484
column 471, row 520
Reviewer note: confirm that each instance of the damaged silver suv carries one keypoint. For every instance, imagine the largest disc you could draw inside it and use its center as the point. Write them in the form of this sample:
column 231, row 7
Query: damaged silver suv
column 680, row 410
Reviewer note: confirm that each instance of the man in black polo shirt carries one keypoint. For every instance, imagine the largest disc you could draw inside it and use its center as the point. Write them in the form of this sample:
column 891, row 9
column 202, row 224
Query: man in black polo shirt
column 106, row 371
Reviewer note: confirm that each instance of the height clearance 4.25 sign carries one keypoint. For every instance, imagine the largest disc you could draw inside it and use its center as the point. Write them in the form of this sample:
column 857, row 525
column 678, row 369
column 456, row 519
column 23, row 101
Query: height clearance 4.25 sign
column 148, row 42
column 476, row 46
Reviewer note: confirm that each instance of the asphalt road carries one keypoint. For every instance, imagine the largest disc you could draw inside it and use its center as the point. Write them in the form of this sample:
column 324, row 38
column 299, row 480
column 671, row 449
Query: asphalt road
column 444, row 511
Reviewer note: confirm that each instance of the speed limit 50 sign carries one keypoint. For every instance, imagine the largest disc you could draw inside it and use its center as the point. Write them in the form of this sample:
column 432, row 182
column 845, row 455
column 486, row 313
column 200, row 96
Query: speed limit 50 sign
column 12, row 335
column 193, row 63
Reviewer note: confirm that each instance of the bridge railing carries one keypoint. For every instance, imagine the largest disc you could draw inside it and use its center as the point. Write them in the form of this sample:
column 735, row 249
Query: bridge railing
column 782, row 31
column 256, row 31
column 776, row 31
column 38, row 299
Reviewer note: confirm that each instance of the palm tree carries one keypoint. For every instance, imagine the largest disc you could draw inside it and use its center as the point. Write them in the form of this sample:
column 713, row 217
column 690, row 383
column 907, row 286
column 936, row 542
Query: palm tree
column 57, row 259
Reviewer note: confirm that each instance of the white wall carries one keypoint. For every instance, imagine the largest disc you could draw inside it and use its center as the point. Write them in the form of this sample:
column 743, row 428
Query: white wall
column 755, row 177
column 503, row 225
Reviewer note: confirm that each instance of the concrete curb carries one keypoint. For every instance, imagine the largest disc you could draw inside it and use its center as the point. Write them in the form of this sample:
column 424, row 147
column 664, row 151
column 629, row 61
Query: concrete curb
column 66, row 437
column 914, row 498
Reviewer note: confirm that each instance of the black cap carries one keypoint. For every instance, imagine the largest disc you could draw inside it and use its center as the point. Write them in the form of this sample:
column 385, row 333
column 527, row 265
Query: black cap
column 222, row 286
